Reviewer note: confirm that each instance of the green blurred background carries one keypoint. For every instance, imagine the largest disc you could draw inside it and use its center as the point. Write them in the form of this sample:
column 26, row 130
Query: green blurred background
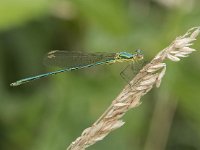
column 50, row 113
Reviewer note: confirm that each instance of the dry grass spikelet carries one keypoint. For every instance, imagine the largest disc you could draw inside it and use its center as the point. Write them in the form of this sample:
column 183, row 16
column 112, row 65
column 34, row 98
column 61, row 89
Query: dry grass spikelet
column 149, row 75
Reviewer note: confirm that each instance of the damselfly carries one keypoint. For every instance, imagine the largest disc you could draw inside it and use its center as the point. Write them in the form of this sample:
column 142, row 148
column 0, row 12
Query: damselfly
column 73, row 60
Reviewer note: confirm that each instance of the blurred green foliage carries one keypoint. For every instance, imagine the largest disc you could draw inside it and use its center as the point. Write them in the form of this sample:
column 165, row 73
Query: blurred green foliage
column 51, row 113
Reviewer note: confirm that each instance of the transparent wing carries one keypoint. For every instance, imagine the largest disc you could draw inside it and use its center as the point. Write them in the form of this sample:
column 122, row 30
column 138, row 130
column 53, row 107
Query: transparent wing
column 131, row 70
column 69, row 59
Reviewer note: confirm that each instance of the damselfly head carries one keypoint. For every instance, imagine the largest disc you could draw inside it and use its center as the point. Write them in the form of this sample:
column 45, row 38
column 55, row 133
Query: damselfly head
column 139, row 54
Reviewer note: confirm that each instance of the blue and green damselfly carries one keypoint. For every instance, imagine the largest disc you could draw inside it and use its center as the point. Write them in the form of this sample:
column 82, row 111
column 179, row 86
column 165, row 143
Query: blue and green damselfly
column 73, row 60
